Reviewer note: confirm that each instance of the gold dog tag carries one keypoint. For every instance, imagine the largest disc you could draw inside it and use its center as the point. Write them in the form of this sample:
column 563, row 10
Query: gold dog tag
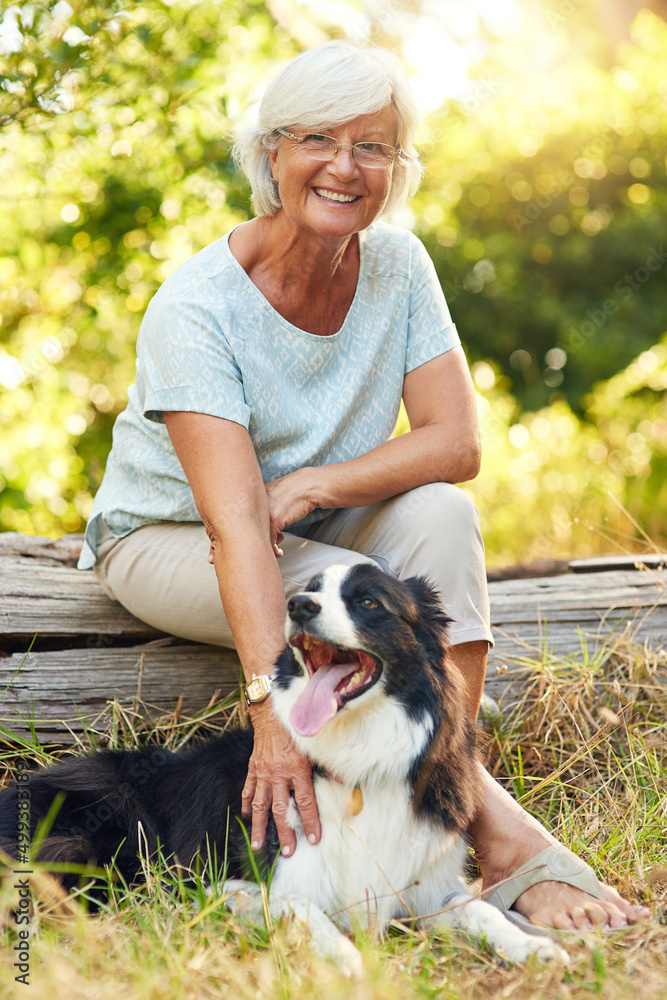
column 355, row 802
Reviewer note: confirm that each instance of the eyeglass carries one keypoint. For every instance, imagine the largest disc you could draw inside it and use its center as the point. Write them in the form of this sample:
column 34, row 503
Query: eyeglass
column 324, row 147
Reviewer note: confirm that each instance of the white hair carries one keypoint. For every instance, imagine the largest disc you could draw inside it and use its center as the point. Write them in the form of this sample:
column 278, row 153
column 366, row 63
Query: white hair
column 321, row 88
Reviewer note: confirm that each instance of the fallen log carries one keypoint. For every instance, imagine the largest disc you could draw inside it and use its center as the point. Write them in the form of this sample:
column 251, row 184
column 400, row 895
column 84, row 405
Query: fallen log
column 67, row 651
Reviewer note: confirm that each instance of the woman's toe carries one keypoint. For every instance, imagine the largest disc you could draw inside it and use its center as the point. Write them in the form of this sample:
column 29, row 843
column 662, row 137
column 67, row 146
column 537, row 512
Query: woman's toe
column 560, row 921
column 580, row 918
column 630, row 911
column 617, row 919
column 597, row 915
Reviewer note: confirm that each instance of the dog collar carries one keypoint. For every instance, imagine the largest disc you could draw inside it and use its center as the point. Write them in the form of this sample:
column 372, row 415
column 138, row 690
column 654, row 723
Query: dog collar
column 258, row 689
column 355, row 802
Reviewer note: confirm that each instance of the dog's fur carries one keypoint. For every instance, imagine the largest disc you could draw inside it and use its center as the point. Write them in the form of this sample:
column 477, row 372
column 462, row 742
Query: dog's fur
column 395, row 729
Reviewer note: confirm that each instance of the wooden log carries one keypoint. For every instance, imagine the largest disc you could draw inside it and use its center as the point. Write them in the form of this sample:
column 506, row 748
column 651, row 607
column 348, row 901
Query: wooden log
column 90, row 650
column 56, row 551
column 651, row 560
column 50, row 597
column 573, row 615
column 59, row 690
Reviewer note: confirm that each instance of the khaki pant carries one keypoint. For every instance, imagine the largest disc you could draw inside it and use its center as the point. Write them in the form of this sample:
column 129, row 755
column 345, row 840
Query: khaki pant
column 162, row 575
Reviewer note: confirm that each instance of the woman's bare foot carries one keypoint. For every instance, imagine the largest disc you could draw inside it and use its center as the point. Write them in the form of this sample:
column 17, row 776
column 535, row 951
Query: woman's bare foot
column 505, row 837
column 555, row 904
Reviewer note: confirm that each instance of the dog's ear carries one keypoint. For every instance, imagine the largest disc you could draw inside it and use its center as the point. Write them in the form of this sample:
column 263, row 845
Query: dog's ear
column 428, row 598
column 432, row 620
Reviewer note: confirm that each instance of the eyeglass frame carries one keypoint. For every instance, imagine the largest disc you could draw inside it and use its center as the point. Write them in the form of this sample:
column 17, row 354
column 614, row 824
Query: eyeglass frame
column 343, row 145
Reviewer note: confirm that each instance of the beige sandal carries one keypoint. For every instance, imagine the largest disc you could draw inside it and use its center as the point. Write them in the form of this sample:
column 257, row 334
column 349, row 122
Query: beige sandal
column 555, row 864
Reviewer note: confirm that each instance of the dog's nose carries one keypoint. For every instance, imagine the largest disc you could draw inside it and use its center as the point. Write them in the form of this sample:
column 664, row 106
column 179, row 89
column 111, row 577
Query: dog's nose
column 302, row 608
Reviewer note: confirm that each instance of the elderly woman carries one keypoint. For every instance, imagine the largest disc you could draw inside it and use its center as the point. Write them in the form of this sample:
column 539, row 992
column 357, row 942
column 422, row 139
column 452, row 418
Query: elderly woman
column 257, row 445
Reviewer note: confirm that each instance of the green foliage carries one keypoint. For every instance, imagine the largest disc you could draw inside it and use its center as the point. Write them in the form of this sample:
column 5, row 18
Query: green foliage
column 48, row 49
column 543, row 190
column 542, row 206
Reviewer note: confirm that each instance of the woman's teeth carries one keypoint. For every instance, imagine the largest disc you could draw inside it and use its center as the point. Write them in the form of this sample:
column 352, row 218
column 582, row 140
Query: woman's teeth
column 333, row 196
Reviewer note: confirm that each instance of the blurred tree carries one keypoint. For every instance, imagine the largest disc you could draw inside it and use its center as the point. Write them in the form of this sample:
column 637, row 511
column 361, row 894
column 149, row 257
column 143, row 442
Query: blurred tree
column 47, row 50
column 543, row 210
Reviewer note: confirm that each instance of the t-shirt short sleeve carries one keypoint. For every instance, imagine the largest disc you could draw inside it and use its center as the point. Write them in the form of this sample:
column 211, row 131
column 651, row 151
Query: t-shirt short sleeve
column 431, row 331
column 185, row 361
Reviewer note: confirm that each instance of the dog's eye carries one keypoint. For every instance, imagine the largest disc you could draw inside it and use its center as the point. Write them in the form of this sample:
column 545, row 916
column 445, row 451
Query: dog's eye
column 368, row 602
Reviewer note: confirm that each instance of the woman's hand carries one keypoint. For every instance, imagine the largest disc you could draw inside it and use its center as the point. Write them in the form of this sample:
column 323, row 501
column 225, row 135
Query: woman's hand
column 276, row 768
column 290, row 498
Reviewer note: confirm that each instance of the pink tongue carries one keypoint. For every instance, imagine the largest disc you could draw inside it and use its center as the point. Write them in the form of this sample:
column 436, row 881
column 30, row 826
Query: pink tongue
column 317, row 704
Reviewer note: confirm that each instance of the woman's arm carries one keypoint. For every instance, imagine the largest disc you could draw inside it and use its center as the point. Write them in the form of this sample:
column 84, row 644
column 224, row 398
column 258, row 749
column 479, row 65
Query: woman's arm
column 220, row 464
column 442, row 446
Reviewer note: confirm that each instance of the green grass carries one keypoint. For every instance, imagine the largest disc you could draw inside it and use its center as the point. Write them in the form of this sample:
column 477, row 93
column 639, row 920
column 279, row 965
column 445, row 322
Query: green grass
column 586, row 752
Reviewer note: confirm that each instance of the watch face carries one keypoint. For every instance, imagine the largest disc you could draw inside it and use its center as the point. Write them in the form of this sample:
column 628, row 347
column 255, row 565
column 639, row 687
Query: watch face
column 257, row 689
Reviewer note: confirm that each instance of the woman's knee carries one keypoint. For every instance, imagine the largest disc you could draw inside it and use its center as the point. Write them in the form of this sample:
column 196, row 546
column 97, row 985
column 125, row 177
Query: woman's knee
column 441, row 539
column 437, row 528
column 442, row 505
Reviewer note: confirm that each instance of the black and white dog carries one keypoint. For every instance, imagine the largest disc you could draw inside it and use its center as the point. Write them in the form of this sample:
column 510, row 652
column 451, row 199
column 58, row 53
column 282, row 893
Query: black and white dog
column 365, row 689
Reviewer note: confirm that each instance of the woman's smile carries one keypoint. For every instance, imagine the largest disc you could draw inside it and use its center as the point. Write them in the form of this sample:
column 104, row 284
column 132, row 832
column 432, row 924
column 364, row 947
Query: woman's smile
column 337, row 197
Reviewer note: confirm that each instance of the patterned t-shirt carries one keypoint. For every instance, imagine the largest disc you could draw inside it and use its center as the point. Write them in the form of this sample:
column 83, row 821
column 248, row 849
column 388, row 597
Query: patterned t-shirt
column 211, row 343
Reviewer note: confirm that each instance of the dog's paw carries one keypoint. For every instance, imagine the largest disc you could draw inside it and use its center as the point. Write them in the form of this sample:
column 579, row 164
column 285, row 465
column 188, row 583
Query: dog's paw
column 244, row 899
column 520, row 948
column 324, row 938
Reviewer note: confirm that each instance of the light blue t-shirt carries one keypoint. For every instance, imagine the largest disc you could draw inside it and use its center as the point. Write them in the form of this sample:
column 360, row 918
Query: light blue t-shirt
column 211, row 343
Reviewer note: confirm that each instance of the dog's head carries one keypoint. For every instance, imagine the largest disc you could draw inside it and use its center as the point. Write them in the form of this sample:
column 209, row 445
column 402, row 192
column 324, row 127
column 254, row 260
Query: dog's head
column 357, row 634
column 366, row 687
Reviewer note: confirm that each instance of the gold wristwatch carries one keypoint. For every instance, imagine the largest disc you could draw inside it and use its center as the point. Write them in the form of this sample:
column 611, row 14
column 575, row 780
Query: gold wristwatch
column 258, row 689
